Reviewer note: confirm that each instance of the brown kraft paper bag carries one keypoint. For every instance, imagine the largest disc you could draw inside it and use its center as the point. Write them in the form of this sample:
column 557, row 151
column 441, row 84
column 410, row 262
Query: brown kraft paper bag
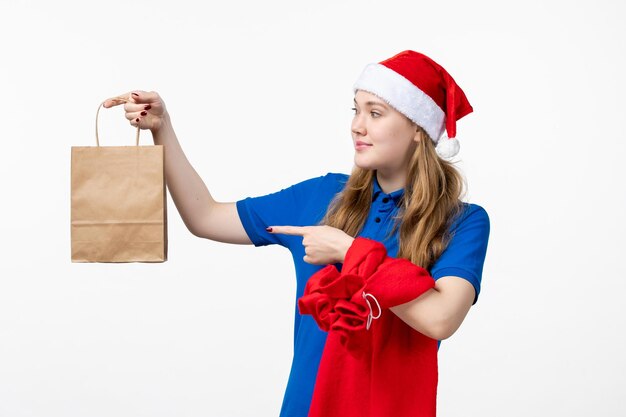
column 118, row 203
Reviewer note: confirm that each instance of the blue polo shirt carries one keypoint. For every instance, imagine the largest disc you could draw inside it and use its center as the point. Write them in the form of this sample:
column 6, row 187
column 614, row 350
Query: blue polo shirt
column 304, row 204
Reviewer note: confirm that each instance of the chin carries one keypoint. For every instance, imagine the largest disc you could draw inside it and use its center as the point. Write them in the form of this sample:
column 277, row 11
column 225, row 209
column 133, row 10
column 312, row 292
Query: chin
column 363, row 164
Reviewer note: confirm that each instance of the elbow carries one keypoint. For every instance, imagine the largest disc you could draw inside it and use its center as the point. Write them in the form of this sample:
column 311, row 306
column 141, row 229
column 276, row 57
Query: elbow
column 201, row 233
column 197, row 228
column 445, row 328
column 442, row 327
column 442, row 332
column 193, row 230
column 197, row 231
column 439, row 331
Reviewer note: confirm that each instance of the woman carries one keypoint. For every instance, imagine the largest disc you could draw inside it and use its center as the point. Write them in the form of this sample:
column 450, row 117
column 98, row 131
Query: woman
column 402, row 195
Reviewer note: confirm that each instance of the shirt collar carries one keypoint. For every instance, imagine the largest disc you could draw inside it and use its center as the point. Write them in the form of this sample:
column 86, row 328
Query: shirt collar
column 377, row 191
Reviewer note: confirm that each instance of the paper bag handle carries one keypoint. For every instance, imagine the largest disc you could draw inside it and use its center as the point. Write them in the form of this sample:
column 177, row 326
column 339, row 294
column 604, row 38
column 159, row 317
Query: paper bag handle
column 125, row 100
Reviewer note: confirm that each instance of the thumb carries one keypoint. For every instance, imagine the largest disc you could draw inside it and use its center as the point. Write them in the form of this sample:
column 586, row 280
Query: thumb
column 140, row 96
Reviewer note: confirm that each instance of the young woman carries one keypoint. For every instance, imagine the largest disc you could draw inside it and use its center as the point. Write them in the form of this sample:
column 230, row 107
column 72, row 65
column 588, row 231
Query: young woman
column 410, row 251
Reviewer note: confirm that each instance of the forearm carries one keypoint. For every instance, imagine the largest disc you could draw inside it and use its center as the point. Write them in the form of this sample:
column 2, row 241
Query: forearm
column 190, row 194
column 439, row 312
column 426, row 314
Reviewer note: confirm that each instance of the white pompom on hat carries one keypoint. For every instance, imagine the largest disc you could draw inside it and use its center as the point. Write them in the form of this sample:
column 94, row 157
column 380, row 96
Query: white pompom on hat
column 423, row 91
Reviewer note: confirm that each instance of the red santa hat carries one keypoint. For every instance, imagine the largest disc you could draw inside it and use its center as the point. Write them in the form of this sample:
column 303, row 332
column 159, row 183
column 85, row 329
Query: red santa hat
column 423, row 91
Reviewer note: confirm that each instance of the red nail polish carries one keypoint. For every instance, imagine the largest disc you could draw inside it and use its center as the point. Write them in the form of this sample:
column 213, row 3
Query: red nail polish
column 143, row 113
column 148, row 107
column 137, row 119
column 269, row 229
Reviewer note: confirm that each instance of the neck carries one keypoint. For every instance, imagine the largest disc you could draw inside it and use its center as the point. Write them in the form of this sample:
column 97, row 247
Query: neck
column 390, row 183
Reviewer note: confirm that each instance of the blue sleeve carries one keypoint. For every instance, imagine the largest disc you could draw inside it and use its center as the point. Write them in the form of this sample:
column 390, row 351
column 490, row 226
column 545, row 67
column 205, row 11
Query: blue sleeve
column 281, row 208
column 465, row 254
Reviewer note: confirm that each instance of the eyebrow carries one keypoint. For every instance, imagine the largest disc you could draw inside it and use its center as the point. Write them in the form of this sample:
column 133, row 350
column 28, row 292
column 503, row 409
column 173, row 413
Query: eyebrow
column 372, row 103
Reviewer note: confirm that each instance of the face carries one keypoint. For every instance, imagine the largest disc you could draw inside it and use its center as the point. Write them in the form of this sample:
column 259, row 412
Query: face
column 390, row 137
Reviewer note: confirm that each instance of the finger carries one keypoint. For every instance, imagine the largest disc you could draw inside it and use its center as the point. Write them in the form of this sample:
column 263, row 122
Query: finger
column 136, row 96
column 289, row 230
column 134, row 107
column 136, row 121
column 133, row 115
column 117, row 100
column 311, row 260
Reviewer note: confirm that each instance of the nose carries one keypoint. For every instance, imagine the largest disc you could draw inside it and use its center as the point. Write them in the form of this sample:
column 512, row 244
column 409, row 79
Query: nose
column 358, row 127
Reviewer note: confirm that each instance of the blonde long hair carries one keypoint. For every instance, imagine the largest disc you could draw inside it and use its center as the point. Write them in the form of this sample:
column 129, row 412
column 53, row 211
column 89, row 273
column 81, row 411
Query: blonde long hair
column 430, row 202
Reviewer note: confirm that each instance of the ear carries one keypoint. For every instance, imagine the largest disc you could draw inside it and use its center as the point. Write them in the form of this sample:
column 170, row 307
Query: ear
column 417, row 137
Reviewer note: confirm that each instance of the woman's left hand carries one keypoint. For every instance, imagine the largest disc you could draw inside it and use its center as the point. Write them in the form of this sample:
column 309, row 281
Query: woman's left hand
column 322, row 244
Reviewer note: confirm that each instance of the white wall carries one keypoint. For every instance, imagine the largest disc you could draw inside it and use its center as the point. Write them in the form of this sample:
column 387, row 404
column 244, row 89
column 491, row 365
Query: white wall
column 260, row 96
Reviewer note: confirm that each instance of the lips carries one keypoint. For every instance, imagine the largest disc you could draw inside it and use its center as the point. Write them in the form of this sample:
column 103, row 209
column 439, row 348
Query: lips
column 361, row 143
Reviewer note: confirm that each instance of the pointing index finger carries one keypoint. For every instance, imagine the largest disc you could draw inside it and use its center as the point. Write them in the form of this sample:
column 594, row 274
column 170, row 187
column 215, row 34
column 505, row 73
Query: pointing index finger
column 289, row 230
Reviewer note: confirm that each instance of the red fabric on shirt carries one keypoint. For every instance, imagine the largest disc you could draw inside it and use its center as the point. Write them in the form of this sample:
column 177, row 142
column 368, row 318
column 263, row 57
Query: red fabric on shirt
column 389, row 370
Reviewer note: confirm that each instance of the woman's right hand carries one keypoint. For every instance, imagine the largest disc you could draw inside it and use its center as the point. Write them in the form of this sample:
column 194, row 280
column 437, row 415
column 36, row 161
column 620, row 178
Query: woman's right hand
column 143, row 108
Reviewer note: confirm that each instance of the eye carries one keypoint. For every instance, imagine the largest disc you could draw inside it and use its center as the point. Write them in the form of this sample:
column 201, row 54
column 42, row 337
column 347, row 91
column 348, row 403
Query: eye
column 374, row 114
column 354, row 110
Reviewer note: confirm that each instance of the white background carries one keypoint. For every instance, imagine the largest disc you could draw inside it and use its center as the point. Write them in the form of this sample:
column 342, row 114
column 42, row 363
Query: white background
column 260, row 97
